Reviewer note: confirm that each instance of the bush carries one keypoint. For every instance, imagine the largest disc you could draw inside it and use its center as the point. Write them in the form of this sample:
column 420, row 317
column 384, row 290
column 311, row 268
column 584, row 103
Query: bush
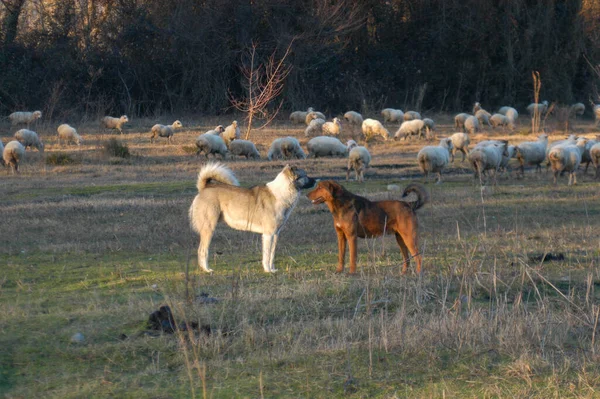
column 115, row 148
column 60, row 159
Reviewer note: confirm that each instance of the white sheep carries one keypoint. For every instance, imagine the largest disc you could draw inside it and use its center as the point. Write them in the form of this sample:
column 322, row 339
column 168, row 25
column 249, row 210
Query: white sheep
column 392, row 115
column 433, row 159
column 333, row 128
column 164, row 131
column 460, row 142
column 359, row 159
column 244, row 148
column 586, row 157
column 13, row 154
column 566, row 157
column 109, row 122
column 285, row 147
column 501, row 120
column 506, row 157
column 353, row 118
column 429, row 127
column 314, row 128
column 2, row 153
column 595, row 157
column 372, row 128
column 472, row 125
column 313, row 115
column 597, row 114
column 216, row 131
column 324, row 146
column 483, row 117
column 510, row 113
column 299, row 116
column 489, row 157
column 577, row 109
column 532, row 152
column 459, row 120
column 211, row 144
column 231, row 132
column 539, row 108
column 572, row 139
column 410, row 115
column 30, row 139
column 476, row 107
column 23, row 117
column 410, row 128
column 68, row 133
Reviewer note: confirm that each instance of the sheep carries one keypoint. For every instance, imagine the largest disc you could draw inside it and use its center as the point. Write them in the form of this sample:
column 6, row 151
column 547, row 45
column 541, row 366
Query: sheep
column 459, row 120
column 597, row 114
column 22, row 117
column 314, row 128
column 567, row 157
column 429, row 126
column 299, row 116
column 532, row 152
column 353, row 118
column 333, row 128
column 476, row 107
column 231, row 132
column 488, row 157
column 285, row 147
column 313, row 115
column 29, row 138
column 216, row 131
column 577, row 109
column 586, row 156
column 392, row 115
column 372, row 128
column 359, row 160
column 211, row 144
column 433, row 159
column 13, row 154
column 164, row 131
column 501, row 120
column 410, row 115
column 539, row 108
column 595, row 157
column 275, row 149
column 572, row 139
column 483, row 117
column 323, row 146
column 410, row 128
column 460, row 142
column 109, row 122
column 1, row 153
column 510, row 113
column 506, row 157
column 471, row 125
column 68, row 133
column 244, row 148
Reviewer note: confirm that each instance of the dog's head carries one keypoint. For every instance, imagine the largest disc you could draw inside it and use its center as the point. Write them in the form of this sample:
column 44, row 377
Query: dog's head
column 298, row 177
column 325, row 191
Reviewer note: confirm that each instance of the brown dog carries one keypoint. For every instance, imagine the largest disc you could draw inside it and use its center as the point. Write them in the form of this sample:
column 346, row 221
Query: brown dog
column 355, row 216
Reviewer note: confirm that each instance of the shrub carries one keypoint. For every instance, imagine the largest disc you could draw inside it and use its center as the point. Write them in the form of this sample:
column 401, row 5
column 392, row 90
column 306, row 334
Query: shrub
column 60, row 159
column 115, row 148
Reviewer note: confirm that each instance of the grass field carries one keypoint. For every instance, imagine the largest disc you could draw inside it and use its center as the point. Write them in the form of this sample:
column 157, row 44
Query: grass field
column 96, row 245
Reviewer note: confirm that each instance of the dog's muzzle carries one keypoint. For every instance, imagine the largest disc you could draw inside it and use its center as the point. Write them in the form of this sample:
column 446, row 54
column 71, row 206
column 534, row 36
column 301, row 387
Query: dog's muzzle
column 304, row 182
column 318, row 201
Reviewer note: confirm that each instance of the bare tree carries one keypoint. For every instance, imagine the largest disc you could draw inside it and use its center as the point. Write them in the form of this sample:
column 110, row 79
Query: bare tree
column 262, row 83
column 10, row 21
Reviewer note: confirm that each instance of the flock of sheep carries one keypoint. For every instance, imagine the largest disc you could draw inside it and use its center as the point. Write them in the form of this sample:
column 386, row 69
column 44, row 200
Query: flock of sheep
column 486, row 158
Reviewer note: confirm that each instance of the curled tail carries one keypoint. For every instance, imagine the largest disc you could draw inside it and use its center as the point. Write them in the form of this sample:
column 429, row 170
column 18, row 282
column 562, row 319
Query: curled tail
column 215, row 171
column 555, row 154
column 412, row 191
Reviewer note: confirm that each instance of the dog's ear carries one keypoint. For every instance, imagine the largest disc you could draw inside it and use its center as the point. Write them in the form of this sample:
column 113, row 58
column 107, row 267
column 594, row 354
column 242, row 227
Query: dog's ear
column 331, row 186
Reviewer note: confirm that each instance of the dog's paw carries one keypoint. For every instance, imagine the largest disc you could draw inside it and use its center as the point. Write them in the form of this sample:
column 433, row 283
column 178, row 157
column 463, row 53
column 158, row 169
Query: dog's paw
column 208, row 270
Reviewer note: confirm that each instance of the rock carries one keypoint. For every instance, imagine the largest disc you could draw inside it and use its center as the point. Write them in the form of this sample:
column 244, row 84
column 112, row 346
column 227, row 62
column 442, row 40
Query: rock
column 78, row 338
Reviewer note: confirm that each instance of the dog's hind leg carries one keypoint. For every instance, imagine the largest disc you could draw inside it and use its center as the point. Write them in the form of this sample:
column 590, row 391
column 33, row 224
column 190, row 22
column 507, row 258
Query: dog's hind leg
column 205, row 238
column 269, row 242
column 404, row 250
column 408, row 242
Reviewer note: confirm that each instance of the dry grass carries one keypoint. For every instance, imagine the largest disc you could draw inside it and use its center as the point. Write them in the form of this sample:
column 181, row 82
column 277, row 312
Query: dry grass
column 97, row 245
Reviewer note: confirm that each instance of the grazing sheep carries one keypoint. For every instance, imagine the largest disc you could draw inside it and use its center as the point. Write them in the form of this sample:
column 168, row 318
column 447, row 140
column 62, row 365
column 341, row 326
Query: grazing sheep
column 476, row 107
column 333, row 128
column 483, row 117
column 460, row 142
column 572, row 139
column 506, row 157
column 597, row 114
column 410, row 128
column 410, row 115
column 164, row 131
column 299, row 116
column 459, row 121
column 540, row 108
column 29, row 138
column 488, row 157
column 353, row 118
column 109, row 122
column 324, row 146
column 429, row 127
column 433, row 159
column 244, row 148
column 472, row 125
column 231, row 132
column 313, row 115
column 275, row 150
column 595, row 156
column 359, row 159
column 372, row 128
column 532, row 152
column 216, row 131
column 314, row 128
column 567, row 157
column 501, row 120
column 392, row 115
column 211, row 144
column 577, row 109
column 13, row 154
column 68, row 133
column 510, row 113
column 285, row 147
column 21, row 117
column 586, row 156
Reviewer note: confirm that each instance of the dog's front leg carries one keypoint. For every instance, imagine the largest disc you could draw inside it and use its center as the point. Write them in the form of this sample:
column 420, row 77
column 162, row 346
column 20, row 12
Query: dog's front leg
column 269, row 242
column 341, row 249
column 353, row 250
column 272, row 255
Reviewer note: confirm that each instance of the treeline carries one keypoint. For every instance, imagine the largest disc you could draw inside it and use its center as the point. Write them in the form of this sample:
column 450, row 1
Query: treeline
column 144, row 57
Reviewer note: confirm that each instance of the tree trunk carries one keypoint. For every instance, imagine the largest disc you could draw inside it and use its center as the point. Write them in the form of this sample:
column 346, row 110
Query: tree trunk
column 10, row 22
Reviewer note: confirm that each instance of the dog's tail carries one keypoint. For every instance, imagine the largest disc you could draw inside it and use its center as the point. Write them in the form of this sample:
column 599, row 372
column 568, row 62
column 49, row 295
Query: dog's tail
column 215, row 171
column 415, row 195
